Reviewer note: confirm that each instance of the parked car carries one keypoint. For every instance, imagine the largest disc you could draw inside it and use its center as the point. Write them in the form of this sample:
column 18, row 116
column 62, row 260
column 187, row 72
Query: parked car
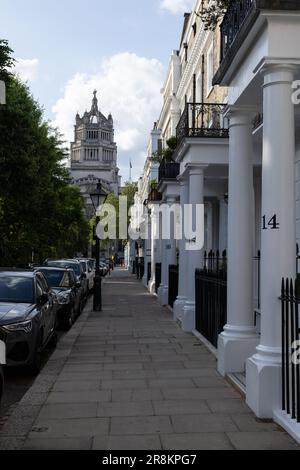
column 79, row 274
column 104, row 268
column 2, row 362
column 28, row 312
column 89, row 272
column 68, row 291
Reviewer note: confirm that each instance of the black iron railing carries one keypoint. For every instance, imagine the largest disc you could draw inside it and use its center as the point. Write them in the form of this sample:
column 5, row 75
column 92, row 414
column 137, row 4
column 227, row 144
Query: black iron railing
column 168, row 170
column 202, row 120
column 290, row 300
column 158, row 268
column 211, row 296
column 238, row 21
column 257, row 273
column 173, row 284
column 233, row 20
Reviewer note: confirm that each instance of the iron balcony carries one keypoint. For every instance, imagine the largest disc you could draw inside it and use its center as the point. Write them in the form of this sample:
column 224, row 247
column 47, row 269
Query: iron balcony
column 202, row 120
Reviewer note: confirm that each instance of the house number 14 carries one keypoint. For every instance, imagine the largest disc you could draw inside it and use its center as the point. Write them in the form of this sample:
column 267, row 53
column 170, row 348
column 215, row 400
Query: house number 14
column 272, row 224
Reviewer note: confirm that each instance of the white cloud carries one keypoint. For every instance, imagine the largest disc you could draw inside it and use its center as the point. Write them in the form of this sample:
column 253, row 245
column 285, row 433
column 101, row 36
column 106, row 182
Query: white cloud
column 27, row 69
column 128, row 87
column 177, row 6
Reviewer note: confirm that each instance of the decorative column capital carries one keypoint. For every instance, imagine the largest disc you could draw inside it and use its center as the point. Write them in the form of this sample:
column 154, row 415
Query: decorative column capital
column 278, row 74
column 241, row 115
column 182, row 179
column 195, row 169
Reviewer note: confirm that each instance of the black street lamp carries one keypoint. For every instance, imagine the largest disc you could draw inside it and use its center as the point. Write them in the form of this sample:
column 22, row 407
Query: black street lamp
column 98, row 198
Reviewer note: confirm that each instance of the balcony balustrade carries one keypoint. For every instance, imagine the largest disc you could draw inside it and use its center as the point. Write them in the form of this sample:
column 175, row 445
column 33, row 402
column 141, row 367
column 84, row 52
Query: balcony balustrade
column 168, row 170
column 237, row 23
column 202, row 120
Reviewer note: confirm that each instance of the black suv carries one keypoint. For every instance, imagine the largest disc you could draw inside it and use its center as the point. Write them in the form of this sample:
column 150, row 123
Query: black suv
column 68, row 291
column 79, row 274
column 28, row 310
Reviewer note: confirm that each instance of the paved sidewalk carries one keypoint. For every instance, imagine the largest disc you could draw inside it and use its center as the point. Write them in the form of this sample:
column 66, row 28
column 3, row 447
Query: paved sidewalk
column 133, row 380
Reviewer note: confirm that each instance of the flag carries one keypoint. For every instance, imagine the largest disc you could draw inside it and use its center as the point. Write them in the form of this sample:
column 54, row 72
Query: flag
column 130, row 164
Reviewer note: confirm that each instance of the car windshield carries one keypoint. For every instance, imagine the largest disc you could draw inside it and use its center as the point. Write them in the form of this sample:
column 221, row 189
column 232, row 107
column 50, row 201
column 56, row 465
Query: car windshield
column 67, row 265
column 83, row 264
column 56, row 278
column 16, row 289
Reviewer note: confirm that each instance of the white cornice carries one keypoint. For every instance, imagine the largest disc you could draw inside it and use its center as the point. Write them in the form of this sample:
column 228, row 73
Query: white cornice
column 197, row 51
column 165, row 111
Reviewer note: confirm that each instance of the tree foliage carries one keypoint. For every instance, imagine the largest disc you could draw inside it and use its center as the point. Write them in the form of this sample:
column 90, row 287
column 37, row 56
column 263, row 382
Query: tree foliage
column 40, row 211
column 6, row 60
column 212, row 12
column 129, row 190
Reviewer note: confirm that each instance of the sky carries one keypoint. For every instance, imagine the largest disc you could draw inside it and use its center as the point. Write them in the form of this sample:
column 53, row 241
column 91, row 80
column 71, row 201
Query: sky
column 67, row 48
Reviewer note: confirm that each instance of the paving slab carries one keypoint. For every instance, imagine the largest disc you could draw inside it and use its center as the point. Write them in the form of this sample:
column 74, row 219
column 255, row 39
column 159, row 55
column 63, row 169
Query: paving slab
column 83, row 443
column 203, row 423
column 136, row 395
column 262, row 441
column 167, row 408
column 204, row 393
column 144, row 425
column 120, row 409
column 194, row 442
column 228, row 405
column 68, row 411
column 79, row 386
column 147, row 442
column 79, row 397
column 69, row 428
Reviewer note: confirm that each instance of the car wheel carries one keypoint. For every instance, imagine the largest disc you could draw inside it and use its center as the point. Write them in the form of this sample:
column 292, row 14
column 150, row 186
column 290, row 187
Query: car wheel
column 53, row 341
column 82, row 305
column 36, row 364
column 70, row 320
column 1, row 383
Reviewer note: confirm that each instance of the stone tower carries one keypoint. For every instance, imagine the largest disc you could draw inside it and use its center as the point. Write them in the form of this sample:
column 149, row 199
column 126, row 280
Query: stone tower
column 94, row 153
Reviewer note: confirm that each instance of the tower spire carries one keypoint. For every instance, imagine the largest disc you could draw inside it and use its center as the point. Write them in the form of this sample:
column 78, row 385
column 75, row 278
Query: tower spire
column 94, row 109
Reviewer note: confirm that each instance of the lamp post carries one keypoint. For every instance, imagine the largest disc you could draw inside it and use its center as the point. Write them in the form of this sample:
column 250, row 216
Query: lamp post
column 98, row 198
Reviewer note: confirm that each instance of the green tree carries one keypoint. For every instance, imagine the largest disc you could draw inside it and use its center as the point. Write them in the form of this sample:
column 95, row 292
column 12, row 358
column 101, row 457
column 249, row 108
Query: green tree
column 6, row 60
column 129, row 190
column 40, row 211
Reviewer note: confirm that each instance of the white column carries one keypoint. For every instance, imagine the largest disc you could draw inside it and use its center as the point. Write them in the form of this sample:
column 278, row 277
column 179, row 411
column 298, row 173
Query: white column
column 195, row 257
column 239, row 339
column 154, row 245
column 183, row 258
column 168, row 257
column 278, row 243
